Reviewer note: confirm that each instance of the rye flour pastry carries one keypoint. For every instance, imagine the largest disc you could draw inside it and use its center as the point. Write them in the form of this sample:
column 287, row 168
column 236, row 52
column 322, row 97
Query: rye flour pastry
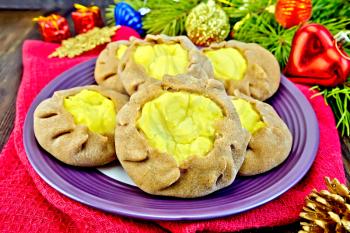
column 106, row 69
column 247, row 67
column 77, row 125
column 180, row 137
column 148, row 60
column 271, row 140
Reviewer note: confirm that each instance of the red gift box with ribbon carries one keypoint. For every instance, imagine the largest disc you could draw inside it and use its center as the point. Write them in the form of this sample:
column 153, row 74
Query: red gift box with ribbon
column 53, row 28
column 86, row 18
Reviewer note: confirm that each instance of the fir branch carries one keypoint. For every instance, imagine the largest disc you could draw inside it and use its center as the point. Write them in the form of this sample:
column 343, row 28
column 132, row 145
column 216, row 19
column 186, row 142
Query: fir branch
column 166, row 16
column 324, row 10
column 237, row 9
column 264, row 30
column 339, row 100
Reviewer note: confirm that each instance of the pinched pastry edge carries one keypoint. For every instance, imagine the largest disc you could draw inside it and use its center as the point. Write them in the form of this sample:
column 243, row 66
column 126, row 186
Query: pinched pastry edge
column 133, row 76
column 262, row 77
column 106, row 69
column 269, row 146
column 73, row 144
column 158, row 173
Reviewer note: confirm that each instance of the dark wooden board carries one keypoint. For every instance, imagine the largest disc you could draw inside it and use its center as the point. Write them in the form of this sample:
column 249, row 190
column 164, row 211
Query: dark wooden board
column 15, row 27
column 48, row 4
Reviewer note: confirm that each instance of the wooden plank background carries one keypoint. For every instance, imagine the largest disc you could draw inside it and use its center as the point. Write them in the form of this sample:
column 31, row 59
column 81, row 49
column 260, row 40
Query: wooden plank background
column 48, row 4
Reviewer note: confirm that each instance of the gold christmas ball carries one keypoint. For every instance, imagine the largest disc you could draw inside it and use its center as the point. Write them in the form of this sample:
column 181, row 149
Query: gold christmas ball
column 207, row 23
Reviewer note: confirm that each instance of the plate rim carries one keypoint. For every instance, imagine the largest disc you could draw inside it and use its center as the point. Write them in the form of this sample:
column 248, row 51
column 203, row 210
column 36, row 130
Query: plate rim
column 124, row 211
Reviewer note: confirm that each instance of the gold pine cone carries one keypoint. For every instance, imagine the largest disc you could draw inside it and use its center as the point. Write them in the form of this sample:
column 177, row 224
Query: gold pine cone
column 327, row 211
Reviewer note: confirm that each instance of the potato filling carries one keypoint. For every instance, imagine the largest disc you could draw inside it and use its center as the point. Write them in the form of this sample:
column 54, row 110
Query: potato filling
column 180, row 124
column 161, row 59
column 93, row 110
column 121, row 50
column 228, row 63
column 249, row 117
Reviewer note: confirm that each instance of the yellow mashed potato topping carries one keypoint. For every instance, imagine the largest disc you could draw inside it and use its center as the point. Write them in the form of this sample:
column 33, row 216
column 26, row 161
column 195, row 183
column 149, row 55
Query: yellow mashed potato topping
column 249, row 117
column 161, row 59
column 228, row 63
column 180, row 124
column 93, row 110
column 121, row 50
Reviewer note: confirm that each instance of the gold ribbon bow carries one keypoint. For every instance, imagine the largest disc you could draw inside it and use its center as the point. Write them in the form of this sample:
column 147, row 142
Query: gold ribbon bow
column 84, row 9
column 51, row 18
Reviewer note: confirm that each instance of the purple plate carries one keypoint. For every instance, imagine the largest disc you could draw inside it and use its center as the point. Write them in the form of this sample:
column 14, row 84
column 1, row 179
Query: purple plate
column 93, row 188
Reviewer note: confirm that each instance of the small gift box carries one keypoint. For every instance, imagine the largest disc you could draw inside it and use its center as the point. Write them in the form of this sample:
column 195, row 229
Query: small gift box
column 53, row 28
column 86, row 18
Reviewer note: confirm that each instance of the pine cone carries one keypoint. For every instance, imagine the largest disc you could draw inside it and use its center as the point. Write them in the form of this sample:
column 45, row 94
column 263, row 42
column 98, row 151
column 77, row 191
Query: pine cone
column 327, row 211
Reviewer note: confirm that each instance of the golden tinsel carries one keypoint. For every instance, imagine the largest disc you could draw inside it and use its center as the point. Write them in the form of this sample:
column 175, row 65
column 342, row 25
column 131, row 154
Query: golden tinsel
column 207, row 23
column 327, row 211
column 84, row 42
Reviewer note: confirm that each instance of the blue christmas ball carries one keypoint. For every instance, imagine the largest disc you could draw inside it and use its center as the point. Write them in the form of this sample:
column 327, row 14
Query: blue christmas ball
column 125, row 15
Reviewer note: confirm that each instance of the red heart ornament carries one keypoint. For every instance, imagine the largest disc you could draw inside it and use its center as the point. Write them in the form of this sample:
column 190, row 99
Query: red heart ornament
column 316, row 58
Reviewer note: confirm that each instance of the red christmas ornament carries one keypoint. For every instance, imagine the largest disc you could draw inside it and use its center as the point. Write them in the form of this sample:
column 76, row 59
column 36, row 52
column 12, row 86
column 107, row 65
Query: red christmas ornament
column 53, row 28
column 86, row 18
column 290, row 13
column 316, row 58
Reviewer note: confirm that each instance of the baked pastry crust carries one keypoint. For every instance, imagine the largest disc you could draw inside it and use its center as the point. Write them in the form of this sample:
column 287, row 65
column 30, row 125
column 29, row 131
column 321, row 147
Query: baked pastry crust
column 106, row 69
column 269, row 146
column 262, row 77
column 73, row 144
column 158, row 173
column 133, row 76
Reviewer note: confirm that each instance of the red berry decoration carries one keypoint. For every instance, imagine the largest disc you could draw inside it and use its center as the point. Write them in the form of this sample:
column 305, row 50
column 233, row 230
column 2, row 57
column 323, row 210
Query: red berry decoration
column 316, row 58
column 290, row 13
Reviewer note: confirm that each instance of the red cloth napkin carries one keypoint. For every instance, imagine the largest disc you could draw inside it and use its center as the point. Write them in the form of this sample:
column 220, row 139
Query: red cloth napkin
column 28, row 204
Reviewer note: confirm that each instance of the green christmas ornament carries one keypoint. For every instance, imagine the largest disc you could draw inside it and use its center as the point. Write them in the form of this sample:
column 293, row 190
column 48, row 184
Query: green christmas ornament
column 207, row 23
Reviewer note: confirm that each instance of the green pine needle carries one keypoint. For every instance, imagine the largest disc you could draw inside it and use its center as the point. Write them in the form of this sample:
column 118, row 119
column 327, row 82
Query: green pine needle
column 328, row 9
column 166, row 16
column 264, row 30
column 237, row 9
column 339, row 100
